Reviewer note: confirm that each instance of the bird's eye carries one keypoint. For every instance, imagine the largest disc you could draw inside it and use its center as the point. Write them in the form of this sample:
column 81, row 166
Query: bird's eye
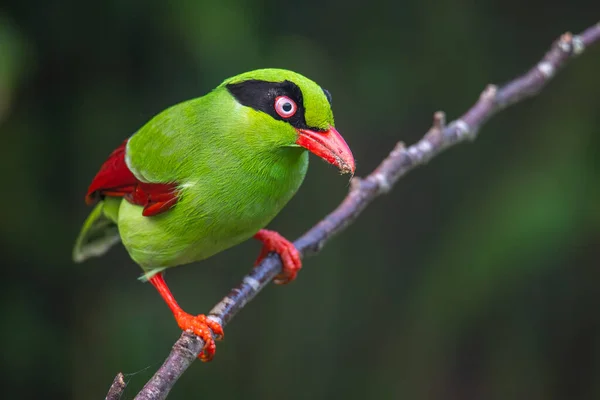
column 285, row 107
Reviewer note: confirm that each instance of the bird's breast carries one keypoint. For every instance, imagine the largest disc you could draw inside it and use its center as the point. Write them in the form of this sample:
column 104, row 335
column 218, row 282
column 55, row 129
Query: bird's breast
column 226, row 208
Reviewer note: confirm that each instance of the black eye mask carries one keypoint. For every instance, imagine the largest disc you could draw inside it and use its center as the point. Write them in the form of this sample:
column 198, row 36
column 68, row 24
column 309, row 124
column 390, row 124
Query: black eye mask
column 261, row 95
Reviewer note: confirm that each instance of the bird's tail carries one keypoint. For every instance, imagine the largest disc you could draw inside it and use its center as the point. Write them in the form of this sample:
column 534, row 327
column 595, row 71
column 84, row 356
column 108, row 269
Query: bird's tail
column 99, row 232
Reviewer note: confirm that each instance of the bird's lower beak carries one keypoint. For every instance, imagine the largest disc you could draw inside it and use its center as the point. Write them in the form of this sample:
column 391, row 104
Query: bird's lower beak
column 328, row 145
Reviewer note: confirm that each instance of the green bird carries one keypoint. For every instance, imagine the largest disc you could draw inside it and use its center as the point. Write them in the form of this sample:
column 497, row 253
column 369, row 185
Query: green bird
column 210, row 173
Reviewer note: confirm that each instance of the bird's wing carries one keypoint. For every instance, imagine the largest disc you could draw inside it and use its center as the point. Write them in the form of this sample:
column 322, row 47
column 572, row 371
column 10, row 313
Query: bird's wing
column 115, row 179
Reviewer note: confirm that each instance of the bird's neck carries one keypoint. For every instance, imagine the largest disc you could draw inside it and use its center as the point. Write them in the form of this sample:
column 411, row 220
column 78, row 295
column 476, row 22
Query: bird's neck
column 284, row 167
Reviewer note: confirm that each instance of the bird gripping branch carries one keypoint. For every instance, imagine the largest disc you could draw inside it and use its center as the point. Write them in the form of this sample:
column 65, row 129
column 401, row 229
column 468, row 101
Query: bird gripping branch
column 209, row 173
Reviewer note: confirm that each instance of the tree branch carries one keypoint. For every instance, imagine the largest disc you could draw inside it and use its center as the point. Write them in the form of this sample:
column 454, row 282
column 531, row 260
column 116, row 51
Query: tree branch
column 363, row 191
column 117, row 388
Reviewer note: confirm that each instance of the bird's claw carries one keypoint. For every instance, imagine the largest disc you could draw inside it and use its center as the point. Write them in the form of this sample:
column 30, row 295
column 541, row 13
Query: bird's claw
column 290, row 256
column 204, row 328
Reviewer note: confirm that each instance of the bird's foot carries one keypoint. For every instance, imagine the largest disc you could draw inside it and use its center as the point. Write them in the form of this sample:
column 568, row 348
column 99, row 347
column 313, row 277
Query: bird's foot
column 290, row 256
column 204, row 328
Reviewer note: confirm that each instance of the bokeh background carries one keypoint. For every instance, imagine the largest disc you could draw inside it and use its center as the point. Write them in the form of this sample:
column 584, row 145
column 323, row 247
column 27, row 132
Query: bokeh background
column 476, row 278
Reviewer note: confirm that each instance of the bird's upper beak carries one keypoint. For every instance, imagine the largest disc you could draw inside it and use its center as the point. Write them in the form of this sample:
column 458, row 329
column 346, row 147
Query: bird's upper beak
column 328, row 145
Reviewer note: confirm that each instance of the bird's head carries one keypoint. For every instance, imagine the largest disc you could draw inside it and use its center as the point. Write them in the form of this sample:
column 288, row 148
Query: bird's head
column 297, row 110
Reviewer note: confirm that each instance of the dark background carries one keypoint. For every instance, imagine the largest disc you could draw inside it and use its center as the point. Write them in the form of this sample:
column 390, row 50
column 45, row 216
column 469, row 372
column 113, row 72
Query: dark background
column 476, row 278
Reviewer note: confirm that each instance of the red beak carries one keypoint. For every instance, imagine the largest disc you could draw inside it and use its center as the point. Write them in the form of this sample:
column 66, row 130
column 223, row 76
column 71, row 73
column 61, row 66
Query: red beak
column 328, row 145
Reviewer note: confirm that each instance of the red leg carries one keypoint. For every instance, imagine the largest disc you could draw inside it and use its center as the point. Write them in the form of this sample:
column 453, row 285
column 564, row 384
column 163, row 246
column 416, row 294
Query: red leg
column 290, row 257
column 199, row 325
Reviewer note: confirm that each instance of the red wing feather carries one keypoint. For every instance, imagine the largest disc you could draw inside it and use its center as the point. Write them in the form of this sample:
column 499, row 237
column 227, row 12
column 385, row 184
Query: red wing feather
column 116, row 180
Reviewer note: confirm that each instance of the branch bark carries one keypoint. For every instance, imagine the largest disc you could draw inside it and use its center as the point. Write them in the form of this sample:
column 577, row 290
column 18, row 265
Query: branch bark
column 117, row 388
column 363, row 191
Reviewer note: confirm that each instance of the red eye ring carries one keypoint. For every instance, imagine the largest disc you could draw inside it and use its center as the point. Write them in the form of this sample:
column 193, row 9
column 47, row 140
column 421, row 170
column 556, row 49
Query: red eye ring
column 285, row 107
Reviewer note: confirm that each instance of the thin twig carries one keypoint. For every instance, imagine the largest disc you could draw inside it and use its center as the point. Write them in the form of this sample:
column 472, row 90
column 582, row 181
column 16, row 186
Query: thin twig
column 116, row 389
column 363, row 191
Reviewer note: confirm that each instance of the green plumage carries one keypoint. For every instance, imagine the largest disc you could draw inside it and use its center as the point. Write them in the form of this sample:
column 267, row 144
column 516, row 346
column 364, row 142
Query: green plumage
column 236, row 168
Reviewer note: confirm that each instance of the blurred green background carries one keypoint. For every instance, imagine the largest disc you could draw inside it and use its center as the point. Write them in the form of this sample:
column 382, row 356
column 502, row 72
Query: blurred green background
column 476, row 278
